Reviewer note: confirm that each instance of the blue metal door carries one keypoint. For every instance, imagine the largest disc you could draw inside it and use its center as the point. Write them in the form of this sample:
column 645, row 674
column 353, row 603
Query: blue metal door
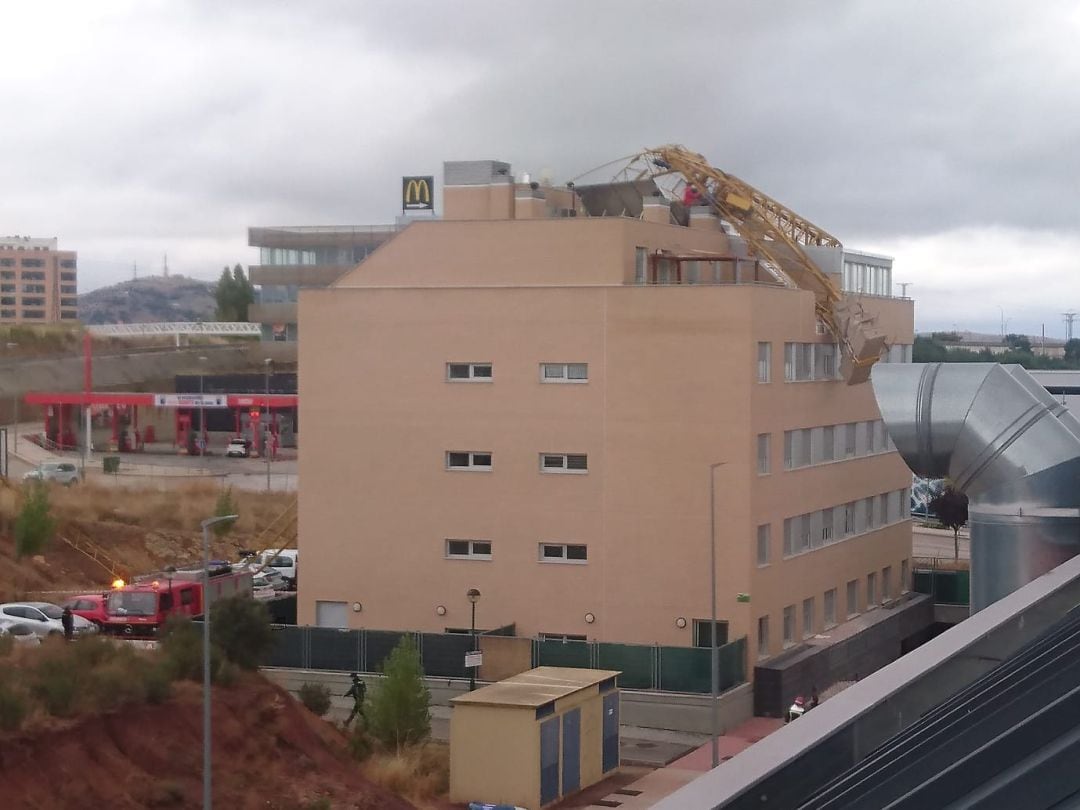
column 611, row 731
column 549, row 760
column 571, row 751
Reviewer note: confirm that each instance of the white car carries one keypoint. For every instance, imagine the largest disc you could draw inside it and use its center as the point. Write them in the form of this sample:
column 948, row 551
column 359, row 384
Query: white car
column 285, row 562
column 21, row 633
column 62, row 472
column 43, row 618
column 261, row 588
column 238, row 448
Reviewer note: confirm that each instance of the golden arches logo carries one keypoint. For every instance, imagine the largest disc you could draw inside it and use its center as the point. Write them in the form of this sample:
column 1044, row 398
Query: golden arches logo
column 416, row 192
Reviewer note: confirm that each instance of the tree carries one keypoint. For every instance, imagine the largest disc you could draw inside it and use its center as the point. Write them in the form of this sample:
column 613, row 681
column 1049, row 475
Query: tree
column 225, row 506
column 1018, row 342
column 1072, row 351
column 233, row 295
column 34, row 526
column 240, row 628
column 951, row 507
column 400, row 706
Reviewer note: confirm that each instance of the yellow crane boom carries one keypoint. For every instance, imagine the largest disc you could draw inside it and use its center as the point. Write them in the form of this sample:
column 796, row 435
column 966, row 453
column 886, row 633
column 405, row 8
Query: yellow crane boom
column 777, row 235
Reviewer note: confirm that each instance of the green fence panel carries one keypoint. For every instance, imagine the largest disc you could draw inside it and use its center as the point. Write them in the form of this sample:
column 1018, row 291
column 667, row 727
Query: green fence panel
column 378, row 644
column 635, row 661
column 733, row 664
column 952, row 587
column 331, row 648
column 443, row 654
column 288, row 648
column 555, row 653
column 924, row 582
column 685, row 669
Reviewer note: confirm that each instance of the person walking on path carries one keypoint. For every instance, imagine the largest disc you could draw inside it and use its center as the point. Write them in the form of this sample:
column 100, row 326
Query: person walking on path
column 68, row 620
column 357, row 692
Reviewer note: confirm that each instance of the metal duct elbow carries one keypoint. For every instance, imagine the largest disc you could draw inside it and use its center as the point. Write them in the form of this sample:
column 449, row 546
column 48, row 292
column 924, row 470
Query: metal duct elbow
column 1004, row 440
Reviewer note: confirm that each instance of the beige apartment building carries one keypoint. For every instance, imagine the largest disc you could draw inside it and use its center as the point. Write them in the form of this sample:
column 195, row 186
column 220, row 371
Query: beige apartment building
column 527, row 399
column 37, row 281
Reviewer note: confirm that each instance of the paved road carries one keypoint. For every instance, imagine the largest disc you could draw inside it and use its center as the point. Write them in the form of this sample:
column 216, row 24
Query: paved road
column 938, row 543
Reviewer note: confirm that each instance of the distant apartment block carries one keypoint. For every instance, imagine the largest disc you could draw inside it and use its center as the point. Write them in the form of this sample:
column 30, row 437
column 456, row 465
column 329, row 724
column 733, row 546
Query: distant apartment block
column 37, row 281
column 293, row 258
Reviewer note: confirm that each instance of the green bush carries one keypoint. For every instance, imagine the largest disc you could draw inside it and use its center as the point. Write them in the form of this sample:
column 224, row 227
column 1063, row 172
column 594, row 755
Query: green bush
column 14, row 705
column 157, row 683
column 181, row 647
column 225, row 506
column 116, row 683
column 227, row 674
column 400, row 708
column 360, row 744
column 240, row 626
column 55, row 683
column 316, row 697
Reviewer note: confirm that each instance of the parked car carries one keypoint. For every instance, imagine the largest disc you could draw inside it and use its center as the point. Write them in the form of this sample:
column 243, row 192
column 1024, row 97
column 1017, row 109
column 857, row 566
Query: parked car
column 62, row 472
column 284, row 561
column 261, row 588
column 90, row 606
column 19, row 632
column 272, row 575
column 43, row 618
column 238, row 448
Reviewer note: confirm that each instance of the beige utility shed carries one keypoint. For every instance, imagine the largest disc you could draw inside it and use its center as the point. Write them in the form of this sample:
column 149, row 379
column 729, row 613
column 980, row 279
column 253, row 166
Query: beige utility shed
column 531, row 739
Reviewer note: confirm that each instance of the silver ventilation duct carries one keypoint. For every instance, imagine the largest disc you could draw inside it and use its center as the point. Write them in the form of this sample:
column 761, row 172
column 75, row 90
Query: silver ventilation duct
column 1004, row 440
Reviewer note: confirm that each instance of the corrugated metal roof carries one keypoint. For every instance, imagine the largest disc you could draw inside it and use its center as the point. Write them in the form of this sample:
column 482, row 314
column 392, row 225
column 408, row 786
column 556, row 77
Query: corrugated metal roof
column 536, row 687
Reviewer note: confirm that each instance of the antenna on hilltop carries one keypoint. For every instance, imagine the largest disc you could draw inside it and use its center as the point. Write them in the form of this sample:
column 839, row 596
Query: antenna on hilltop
column 134, row 271
column 166, row 266
column 1069, row 318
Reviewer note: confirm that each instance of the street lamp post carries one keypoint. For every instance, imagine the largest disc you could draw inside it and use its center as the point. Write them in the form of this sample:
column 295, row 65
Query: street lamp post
column 15, row 405
column 208, row 802
column 714, row 657
column 202, row 407
column 473, row 596
column 266, row 429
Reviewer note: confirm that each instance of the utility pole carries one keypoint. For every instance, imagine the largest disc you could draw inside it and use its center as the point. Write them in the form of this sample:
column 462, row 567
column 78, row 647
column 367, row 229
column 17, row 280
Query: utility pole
column 1069, row 318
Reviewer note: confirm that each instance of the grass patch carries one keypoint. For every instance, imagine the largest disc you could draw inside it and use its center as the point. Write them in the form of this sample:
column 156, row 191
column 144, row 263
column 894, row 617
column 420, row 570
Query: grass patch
column 420, row 772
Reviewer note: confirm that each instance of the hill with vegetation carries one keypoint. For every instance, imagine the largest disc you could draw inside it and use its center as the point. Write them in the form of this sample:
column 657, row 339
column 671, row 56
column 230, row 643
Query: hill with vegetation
column 150, row 300
column 939, row 347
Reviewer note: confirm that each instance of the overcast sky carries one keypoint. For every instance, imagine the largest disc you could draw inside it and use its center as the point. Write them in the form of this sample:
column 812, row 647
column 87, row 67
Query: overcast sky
column 946, row 135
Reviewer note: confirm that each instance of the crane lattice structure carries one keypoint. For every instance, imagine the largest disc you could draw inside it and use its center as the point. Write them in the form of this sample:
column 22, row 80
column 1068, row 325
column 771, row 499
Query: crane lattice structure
column 776, row 235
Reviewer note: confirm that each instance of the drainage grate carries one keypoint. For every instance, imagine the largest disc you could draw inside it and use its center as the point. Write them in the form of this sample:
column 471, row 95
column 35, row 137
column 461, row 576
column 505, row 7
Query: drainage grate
column 607, row 803
column 628, row 792
column 644, row 745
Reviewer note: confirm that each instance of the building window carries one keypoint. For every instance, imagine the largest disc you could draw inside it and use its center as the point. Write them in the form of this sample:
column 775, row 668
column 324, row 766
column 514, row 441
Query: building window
column 828, row 443
column 66, row 277
column 468, row 372
column 564, row 372
column 7, row 263
column 905, row 576
column 8, row 301
column 563, row 553
column 764, row 361
column 803, row 448
column 763, row 637
column 789, row 625
column 764, row 537
column 808, row 617
column 763, row 453
column 871, row 590
column 852, row 598
column 468, row 549
column 33, row 263
column 830, row 608
column 789, row 449
column 36, row 301
column 560, row 637
column 68, row 289
column 34, row 289
column 33, row 314
column 641, row 263
column 68, row 302
column 468, row 460
column 871, row 518
column 804, row 361
column 789, row 362
column 827, row 518
column 870, row 436
column 8, row 288
column 68, row 315
column 849, row 519
column 849, row 439
column 564, row 462
column 7, row 313
column 886, row 583
column 67, row 264
column 703, row 633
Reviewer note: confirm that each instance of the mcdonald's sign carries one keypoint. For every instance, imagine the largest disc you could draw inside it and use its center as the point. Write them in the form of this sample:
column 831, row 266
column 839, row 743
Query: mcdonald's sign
column 416, row 193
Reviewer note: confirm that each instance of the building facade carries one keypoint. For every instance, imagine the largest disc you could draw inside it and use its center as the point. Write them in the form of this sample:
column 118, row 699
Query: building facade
column 293, row 258
column 38, row 282
column 536, row 405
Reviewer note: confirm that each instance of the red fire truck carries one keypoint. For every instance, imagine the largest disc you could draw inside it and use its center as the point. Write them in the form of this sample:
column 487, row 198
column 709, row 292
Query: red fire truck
column 140, row 609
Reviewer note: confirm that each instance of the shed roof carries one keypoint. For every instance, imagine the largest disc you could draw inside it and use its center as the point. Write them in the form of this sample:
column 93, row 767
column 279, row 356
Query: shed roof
column 536, row 687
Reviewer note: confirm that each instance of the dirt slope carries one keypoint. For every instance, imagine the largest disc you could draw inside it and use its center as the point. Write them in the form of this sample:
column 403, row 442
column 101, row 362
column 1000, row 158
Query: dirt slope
column 268, row 753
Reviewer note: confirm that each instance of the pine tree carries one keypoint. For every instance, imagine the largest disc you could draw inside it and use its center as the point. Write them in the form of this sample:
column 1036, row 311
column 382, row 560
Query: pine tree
column 400, row 706
column 225, row 296
column 34, row 527
column 951, row 507
column 243, row 293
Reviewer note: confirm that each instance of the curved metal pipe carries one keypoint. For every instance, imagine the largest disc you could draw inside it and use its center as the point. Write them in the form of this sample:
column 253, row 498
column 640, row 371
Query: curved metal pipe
column 1004, row 440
